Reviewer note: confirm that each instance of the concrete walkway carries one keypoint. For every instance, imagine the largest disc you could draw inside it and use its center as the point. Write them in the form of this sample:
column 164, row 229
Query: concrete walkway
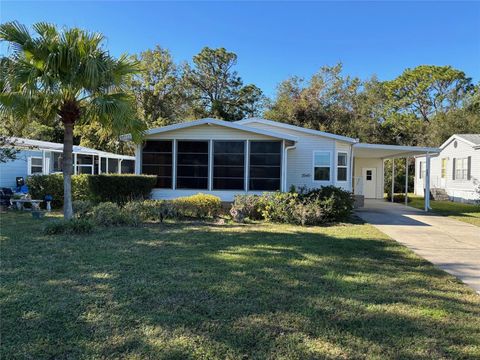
column 452, row 245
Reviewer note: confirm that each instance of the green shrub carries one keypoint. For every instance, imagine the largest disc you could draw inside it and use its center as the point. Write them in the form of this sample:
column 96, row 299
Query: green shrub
column 109, row 214
column 199, row 206
column 279, row 207
column 120, row 188
column 135, row 213
column 159, row 210
column 398, row 198
column 337, row 204
column 73, row 227
column 82, row 208
column 41, row 185
column 309, row 207
column 246, row 206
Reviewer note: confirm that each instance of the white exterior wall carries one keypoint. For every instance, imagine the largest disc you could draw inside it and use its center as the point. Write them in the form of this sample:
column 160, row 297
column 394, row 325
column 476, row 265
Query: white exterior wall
column 300, row 159
column 359, row 164
column 458, row 189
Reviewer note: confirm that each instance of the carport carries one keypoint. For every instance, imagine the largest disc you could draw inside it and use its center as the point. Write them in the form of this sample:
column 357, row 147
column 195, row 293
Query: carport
column 368, row 168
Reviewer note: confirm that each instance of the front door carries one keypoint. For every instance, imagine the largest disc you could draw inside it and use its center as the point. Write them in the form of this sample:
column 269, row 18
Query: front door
column 369, row 182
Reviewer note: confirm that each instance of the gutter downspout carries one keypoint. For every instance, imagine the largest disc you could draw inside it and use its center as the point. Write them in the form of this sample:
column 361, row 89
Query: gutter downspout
column 285, row 171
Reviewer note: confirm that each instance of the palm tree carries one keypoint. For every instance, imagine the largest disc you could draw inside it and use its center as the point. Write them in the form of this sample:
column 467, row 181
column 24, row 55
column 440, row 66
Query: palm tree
column 68, row 73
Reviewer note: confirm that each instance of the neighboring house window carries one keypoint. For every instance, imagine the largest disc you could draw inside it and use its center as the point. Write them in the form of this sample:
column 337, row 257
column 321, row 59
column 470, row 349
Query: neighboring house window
column 342, row 166
column 321, row 166
column 422, row 170
column 156, row 160
column 444, row 168
column 265, row 165
column 192, row 165
column 35, row 166
column 461, row 168
column 57, row 162
column 84, row 164
column 228, row 165
column 112, row 166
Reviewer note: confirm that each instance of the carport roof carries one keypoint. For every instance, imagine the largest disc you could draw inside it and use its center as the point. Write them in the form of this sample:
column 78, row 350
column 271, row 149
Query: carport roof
column 382, row 151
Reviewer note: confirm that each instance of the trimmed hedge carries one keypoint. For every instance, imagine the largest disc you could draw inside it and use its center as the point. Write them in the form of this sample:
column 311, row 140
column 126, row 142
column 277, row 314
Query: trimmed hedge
column 120, row 188
column 96, row 188
column 41, row 185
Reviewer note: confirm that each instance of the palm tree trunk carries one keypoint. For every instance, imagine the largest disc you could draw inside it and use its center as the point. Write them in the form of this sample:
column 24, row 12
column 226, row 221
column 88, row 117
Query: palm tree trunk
column 67, row 169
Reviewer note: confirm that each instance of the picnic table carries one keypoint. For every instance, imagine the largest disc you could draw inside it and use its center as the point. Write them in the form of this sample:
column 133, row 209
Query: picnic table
column 20, row 202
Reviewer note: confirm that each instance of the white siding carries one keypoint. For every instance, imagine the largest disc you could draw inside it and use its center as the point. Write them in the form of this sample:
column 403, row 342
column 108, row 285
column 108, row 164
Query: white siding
column 458, row 189
column 300, row 159
column 206, row 132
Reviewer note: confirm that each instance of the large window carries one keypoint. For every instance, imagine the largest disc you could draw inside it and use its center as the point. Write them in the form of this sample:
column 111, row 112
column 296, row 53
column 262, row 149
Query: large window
column 157, row 160
column 342, row 166
column 192, row 165
column 461, row 168
column 265, row 165
column 228, row 165
column 321, row 166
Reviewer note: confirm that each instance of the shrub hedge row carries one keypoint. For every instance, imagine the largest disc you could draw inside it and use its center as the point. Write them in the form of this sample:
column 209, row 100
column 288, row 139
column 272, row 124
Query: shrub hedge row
column 96, row 188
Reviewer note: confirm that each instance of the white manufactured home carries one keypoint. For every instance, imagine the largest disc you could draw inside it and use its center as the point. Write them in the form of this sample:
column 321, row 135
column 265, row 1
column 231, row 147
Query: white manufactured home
column 35, row 157
column 252, row 156
column 455, row 170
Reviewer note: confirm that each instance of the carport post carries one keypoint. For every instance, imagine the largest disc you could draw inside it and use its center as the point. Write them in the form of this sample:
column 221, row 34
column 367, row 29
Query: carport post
column 427, row 183
column 406, row 181
column 393, row 177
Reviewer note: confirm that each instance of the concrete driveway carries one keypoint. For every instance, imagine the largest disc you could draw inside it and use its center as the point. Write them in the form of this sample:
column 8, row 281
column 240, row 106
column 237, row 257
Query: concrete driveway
column 452, row 245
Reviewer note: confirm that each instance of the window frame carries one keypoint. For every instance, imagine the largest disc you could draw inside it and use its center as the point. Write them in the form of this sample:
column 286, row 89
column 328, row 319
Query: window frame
column 342, row 166
column 172, row 162
column 422, row 170
column 329, row 152
column 464, row 169
column 244, row 166
column 209, row 163
column 249, row 167
column 30, row 165
column 443, row 168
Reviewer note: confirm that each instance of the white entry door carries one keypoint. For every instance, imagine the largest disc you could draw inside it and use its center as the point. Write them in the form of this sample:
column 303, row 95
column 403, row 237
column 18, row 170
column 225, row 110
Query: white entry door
column 369, row 182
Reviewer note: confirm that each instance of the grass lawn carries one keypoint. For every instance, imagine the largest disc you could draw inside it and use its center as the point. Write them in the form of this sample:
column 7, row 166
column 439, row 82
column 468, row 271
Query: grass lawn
column 181, row 291
column 464, row 212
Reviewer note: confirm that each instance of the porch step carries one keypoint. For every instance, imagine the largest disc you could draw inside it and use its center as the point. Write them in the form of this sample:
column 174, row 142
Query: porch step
column 439, row 194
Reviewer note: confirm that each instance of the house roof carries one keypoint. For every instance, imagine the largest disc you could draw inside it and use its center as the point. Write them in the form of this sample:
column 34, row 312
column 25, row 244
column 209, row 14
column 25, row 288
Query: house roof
column 471, row 139
column 365, row 150
column 47, row 145
column 297, row 128
column 216, row 122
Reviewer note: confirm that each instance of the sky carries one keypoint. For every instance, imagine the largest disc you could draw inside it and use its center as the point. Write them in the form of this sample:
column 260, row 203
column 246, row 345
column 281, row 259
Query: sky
column 275, row 40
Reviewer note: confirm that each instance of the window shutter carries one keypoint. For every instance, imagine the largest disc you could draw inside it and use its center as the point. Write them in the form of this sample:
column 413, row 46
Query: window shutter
column 29, row 166
column 453, row 173
column 469, row 168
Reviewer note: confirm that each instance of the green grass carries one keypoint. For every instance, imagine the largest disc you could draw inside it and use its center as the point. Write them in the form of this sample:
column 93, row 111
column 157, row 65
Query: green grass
column 199, row 291
column 464, row 212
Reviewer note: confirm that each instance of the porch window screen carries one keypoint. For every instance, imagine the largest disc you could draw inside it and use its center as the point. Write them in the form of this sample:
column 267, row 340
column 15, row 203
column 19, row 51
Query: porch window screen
column 84, row 164
column 321, row 165
column 192, row 165
column 157, row 160
column 342, row 166
column 228, row 165
column 112, row 166
column 265, row 165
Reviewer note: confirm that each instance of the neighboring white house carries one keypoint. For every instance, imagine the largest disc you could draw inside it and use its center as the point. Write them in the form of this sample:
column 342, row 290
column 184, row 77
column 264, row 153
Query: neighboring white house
column 43, row 157
column 455, row 169
column 257, row 155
